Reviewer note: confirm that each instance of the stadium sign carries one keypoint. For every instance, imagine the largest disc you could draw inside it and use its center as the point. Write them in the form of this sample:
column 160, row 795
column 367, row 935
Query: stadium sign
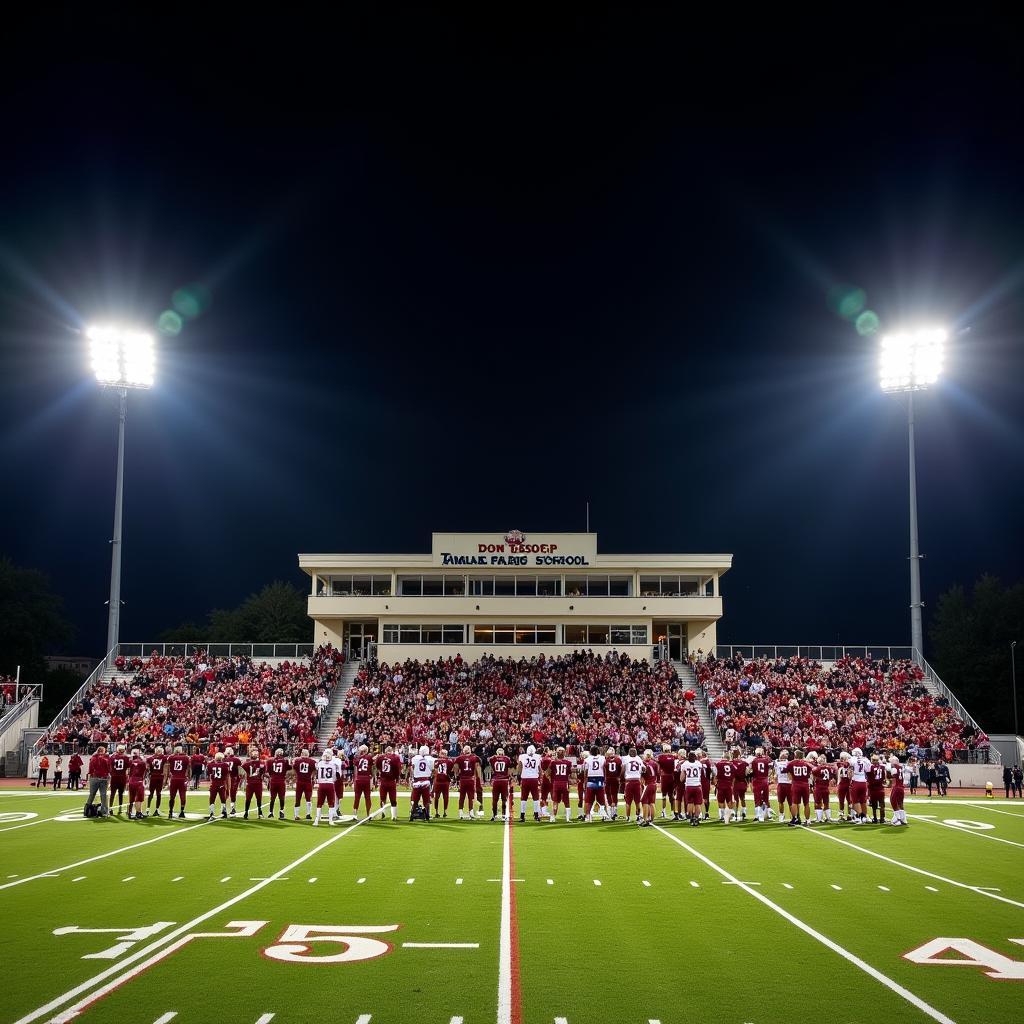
column 515, row 548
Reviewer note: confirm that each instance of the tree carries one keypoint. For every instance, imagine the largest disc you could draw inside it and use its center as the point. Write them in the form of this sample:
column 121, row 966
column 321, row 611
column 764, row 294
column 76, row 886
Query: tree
column 970, row 636
column 276, row 614
column 32, row 620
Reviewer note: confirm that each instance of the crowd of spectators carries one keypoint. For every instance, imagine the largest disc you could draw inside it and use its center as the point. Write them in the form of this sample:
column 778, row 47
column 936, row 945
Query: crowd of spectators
column 198, row 700
column 878, row 705
column 576, row 700
column 8, row 690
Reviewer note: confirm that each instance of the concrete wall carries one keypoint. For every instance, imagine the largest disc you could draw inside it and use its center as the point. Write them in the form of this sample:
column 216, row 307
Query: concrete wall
column 28, row 719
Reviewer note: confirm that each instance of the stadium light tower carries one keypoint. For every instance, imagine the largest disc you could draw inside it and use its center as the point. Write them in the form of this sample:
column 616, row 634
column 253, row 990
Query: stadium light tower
column 912, row 361
column 122, row 358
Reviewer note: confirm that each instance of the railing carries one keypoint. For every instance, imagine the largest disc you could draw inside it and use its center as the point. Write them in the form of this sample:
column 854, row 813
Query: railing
column 819, row 652
column 93, row 677
column 216, row 650
column 29, row 692
column 933, row 677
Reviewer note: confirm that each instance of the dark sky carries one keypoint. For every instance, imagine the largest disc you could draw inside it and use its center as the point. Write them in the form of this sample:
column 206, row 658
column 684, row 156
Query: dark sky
column 468, row 272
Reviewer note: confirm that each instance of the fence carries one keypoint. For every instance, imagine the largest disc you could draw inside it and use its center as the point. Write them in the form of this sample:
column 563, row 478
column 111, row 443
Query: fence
column 819, row 652
column 217, row 650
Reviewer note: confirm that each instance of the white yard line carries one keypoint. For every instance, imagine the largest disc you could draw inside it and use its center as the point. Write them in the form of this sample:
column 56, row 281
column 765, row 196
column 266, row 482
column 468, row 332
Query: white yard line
column 364, row 1018
column 102, row 856
column 133, row 961
column 440, row 945
column 266, row 1018
column 997, row 810
column 852, row 958
column 55, row 817
column 966, row 831
column 505, row 938
column 910, row 867
column 166, row 1017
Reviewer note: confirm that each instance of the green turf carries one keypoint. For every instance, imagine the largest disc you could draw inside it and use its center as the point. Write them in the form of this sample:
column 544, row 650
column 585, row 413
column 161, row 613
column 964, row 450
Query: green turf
column 687, row 945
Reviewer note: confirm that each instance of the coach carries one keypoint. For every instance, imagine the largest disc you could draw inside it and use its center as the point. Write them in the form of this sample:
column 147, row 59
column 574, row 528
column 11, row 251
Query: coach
column 99, row 775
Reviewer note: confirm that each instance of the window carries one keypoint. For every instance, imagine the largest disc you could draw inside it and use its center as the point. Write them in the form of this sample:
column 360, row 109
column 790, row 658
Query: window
column 381, row 586
column 619, row 634
column 549, row 586
column 526, row 634
column 575, row 634
column 639, row 634
column 597, row 586
column 433, row 633
column 483, row 634
column 360, row 586
column 597, row 634
column 430, row 634
column 481, row 586
column 410, row 586
column 575, row 586
column 526, row 586
column 454, row 634
column 505, row 586
column 618, row 586
column 433, row 586
column 391, row 634
column 546, row 634
column 409, row 634
column 454, row 586
column 504, row 634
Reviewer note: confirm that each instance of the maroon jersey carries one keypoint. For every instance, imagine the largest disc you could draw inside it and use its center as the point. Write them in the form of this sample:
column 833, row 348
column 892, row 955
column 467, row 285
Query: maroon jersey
column 99, row 766
column 305, row 769
column 760, row 768
column 178, row 766
column 876, row 776
column 705, row 764
column 824, row 775
column 443, row 769
column 739, row 767
column 725, row 771
column 800, row 771
column 667, row 764
column 119, row 767
column 137, row 769
column 561, row 769
column 613, row 768
column 389, row 767
column 197, row 761
column 500, row 766
column 234, row 765
column 253, row 769
column 218, row 771
column 545, row 765
column 156, row 766
column 362, row 765
column 650, row 772
column 843, row 772
column 277, row 768
column 467, row 765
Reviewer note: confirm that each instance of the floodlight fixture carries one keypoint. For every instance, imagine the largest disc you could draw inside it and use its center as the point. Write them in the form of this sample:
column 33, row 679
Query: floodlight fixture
column 912, row 360
column 122, row 357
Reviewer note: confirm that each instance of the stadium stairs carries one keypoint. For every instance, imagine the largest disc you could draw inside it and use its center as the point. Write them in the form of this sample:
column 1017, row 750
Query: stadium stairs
column 712, row 737
column 338, row 698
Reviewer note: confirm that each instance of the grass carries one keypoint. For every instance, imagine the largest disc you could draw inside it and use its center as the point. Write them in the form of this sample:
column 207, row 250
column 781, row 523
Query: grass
column 818, row 927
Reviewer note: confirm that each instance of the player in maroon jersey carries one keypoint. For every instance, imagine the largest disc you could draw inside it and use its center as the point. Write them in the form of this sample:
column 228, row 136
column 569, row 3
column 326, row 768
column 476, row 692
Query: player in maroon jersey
column 843, row 785
column 760, row 774
column 119, row 778
column 822, row 777
column 198, row 763
column 581, row 785
column 178, row 767
column 877, row 775
column 362, row 767
column 560, row 771
column 467, row 764
column 156, row 762
column 612, row 781
column 545, row 781
column 800, row 788
column 724, row 771
column 219, row 772
column 339, row 778
column 679, row 796
column 739, row 784
column 667, row 771
column 443, row 767
column 633, row 779
column 234, row 763
column 501, row 777
column 304, row 767
column 277, row 774
column 136, row 784
column 252, row 769
column 650, row 790
column 389, row 771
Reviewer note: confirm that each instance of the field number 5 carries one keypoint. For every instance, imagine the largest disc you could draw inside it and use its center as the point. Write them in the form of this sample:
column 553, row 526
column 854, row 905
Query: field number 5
column 293, row 944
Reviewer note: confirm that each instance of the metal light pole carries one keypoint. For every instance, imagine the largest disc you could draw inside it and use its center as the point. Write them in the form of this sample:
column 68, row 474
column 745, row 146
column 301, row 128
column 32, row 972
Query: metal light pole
column 1013, row 678
column 122, row 358
column 912, row 361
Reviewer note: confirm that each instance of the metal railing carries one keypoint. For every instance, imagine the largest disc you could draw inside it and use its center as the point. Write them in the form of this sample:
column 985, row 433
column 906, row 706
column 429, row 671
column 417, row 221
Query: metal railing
column 92, row 678
column 933, row 677
column 816, row 652
column 216, row 650
column 12, row 713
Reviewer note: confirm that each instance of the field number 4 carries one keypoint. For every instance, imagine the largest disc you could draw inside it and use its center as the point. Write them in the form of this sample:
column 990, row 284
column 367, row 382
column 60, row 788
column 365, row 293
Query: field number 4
column 293, row 945
column 974, row 955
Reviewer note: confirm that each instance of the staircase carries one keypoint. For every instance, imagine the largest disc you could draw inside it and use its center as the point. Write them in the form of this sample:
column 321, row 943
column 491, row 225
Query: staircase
column 713, row 744
column 338, row 698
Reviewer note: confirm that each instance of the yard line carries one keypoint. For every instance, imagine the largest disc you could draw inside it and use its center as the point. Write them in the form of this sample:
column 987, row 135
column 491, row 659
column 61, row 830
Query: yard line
column 647, row 884
column 364, row 1018
column 80, row 878
column 164, row 1018
column 227, row 878
column 931, row 888
column 838, row 888
column 144, row 953
column 102, row 856
column 694, row 884
column 966, row 831
column 359, row 881
column 266, row 1018
column 440, row 945
column 852, row 958
column 312, row 880
column 996, row 810
column 884, row 888
column 409, row 881
column 178, row 878
column 741, row 883
column 509, row 1006
column 786, row 885
column 921, row 871
column 128, row 879
column 597, row 881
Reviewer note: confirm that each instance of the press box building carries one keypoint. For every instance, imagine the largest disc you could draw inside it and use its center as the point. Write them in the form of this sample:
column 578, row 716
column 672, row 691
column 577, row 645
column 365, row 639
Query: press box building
column 514, row 594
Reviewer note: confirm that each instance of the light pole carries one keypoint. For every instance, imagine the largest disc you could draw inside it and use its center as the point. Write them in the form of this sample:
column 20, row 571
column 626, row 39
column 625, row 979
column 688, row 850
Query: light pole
column 912, row 361
column 122, row 358
column 1013, row 682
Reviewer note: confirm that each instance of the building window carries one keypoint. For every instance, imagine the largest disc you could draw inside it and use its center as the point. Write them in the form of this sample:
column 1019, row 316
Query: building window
column 575, row 634
column 360, row 586
column 597, row 586
column 605, row 636
column 549, row 586
column 481, row 586
column 671, row 586
column 410, row 586
column 526, row 586
column 434, row 633
column 505, row 586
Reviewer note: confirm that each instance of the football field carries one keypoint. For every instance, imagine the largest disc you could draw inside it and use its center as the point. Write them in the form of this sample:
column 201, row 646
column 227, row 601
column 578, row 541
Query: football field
column 253, row 922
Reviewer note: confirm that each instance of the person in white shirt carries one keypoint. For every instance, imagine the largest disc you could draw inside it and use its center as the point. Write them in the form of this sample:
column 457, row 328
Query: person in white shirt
column 326, row 773
column 691, row 771
column 595, row 784
column 783, row 783
column 859, row 768
column 632, row 774
column 422, row 776
column 529, row 782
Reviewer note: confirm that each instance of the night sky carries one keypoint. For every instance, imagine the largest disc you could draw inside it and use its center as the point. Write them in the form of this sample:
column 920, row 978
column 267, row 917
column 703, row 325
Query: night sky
column 468, row 272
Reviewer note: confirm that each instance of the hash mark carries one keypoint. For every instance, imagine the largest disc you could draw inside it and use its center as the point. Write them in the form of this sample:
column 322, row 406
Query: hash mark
column 164, row 1018
column 178, row 879
column 597, row 881
column 226, row 878
column 838, row 888
column 359, row 881
column 128, row 879
column 312, row 880
column 455, row 1020
column 265, row 1019
column 551, row 881
column 79, row 878
column 409, row 881
column 786, row 885
column 647, row 884
column 458, row 881
column 12, row 876
column 694, row 884
column 364, row 1018
column 931, row 888
column 884, row 888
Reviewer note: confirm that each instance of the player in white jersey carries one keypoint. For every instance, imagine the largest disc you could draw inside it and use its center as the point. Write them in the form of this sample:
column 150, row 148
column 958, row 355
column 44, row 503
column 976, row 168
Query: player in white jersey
column 859, row 768
column 691, row 771
column 422, row 779
column 595, row 784
column 783, row 783
column 632, row 775
column 529, row 782
column 326, row 772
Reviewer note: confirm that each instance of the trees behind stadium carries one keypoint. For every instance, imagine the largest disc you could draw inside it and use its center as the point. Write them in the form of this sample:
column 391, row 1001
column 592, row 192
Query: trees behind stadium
column 276, row 614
